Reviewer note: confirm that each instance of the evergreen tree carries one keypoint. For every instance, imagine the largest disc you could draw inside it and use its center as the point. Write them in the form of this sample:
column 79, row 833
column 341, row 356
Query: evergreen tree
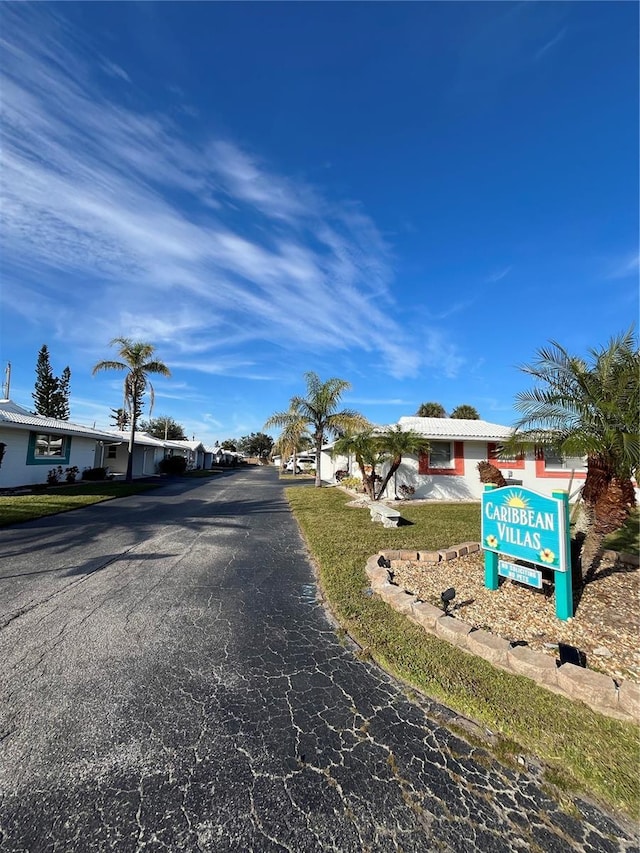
column 51, row 393
column 120, row 418
column 46, row 385
column 61, row 395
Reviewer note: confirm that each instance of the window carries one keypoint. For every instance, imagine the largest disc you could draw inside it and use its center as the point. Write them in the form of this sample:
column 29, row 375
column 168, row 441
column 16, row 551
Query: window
column 549, row 463
column 440, row 454
column 554, row 460
column 112, row 451
column 47, row 449
column 443, row 458
column 493, row 455
column 49, row 445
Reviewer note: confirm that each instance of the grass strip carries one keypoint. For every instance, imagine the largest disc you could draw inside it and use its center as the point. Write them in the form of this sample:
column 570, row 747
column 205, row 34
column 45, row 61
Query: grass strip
column 627, row 539
column 591, row 753
column 17, row 508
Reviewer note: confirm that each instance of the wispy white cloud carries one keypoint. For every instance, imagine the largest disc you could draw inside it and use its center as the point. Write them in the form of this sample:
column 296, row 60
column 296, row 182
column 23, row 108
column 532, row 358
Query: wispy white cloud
column 625, row 267
column 378, row 401
column 498, row 275
column 114, row 70
column 115, row 214
column 549, row 44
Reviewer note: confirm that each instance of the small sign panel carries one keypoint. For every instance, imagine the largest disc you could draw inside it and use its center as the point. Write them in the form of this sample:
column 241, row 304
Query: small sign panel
column 526, row 525
column 521, row 574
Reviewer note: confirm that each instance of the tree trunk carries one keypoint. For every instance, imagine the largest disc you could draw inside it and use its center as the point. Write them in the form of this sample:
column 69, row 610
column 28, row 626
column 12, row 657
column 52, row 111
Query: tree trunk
column 608, row 502
column 319, row 437
column 395, row 464
column 132, row 435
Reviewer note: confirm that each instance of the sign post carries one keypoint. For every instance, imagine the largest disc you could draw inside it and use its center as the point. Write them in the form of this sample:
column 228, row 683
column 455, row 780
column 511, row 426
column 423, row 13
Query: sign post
column 529, row 526
column 563, row 580
column 490, row 557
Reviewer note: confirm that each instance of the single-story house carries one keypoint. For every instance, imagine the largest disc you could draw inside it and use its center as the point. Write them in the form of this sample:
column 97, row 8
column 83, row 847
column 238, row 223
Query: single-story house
column 31, row 445
column 194, row 451
column 113, row 453
column 449, row 470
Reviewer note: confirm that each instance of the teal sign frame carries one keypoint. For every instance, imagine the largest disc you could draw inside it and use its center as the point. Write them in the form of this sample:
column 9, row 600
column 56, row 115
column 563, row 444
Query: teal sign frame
column 518, row 522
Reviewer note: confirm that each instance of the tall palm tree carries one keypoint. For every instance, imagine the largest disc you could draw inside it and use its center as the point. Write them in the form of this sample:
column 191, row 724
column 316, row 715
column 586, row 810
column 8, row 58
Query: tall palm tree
column 319, row 412
column 396, row 443
column 588, row 408
column 138, row 361
column 294, row 434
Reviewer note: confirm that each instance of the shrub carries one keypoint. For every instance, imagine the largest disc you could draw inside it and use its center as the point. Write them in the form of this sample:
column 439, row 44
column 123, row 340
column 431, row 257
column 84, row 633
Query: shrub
column 54, row 475
column 70, row 474
column 94, row 474
column 352, row 483
column 173, row 465
column 406, row 491
column 341, row 475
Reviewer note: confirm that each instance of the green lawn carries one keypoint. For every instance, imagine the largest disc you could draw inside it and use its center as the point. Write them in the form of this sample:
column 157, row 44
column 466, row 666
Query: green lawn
column 583, row 750
column 626, row 539
column 16, row 508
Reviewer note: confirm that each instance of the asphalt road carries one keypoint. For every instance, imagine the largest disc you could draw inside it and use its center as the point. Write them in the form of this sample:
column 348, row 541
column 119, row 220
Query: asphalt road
column 169, row 681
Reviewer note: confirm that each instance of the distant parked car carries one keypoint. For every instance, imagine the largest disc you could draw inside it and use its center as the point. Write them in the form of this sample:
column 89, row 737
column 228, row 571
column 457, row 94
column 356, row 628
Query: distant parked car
column 303, row 463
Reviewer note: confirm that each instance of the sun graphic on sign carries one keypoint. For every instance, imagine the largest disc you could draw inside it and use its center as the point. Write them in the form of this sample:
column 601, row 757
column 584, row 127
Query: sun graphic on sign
column 517, row 499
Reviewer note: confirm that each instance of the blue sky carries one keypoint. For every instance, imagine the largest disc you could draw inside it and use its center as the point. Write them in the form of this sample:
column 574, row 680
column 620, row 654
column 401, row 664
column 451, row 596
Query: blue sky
column 413, row 197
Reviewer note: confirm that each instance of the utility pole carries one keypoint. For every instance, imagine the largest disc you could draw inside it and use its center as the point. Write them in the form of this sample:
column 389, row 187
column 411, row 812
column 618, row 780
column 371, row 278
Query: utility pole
column 7, row 381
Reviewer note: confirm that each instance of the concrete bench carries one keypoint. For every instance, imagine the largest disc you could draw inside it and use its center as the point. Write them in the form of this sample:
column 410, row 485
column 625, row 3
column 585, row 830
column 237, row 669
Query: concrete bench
column 388, row 516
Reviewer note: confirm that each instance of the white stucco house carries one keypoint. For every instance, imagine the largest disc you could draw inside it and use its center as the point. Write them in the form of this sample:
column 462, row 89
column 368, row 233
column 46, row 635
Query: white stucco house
column 113, row 453
column 194, row 451
column 448, row 472
column 32, row 445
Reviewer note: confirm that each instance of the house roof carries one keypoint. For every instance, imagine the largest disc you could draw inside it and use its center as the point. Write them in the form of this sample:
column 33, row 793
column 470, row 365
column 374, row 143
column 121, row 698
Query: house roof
column 140, row 438
column 456, row 428
column 183, row 443
column 14, row 416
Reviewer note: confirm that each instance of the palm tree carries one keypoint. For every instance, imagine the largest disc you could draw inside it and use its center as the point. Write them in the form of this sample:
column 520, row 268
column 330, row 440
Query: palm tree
column 396, row 443
column 318, row 412
column 294, row 435
column 363, row 445
column 465, row 413
column 590, row 409
column 138, row 362
column 431, row 410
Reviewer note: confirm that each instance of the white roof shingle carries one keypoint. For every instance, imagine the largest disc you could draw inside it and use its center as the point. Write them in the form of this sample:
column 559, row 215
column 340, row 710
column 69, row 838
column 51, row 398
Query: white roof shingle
column 14, row 416
column 456, row 428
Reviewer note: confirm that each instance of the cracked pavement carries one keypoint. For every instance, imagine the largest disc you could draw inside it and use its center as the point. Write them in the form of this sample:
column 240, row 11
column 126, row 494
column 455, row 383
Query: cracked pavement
column 169, row 681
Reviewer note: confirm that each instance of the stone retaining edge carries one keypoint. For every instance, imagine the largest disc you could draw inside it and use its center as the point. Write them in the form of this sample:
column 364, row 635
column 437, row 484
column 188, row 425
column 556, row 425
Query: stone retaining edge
column 599, row 692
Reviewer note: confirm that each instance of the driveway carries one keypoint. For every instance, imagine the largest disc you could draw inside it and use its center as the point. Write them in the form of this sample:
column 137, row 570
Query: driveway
column 169, row 682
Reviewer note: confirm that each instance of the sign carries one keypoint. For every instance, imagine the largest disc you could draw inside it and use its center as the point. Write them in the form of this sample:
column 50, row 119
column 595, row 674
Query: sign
column 526, row 525
column 529, row 526
column 521, row 574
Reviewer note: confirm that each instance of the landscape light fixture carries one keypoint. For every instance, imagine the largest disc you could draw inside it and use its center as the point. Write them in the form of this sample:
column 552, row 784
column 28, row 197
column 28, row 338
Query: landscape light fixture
column 447, row 597
column 569, row 654
column 386, row 564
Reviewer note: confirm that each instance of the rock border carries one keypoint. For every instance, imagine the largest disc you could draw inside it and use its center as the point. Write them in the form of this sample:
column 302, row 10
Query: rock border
column 599, row 692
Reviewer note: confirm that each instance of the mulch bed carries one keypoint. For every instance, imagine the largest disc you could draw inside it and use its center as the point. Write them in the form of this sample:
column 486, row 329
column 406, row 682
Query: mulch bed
column 606, row 624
